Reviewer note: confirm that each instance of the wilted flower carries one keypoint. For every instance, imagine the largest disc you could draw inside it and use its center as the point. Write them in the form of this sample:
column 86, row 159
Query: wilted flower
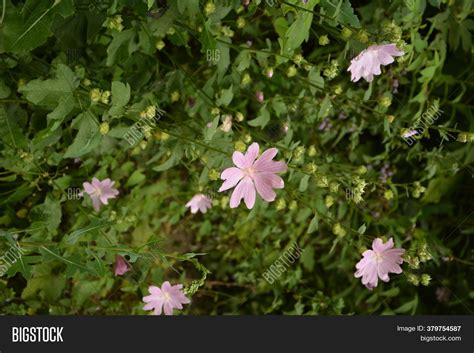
column 252, row 175
column 121, row 266
column 199, row 202
column 167, row 297
column 379, row 262
column 367, row 63
column 227, row 123
column 100, row 191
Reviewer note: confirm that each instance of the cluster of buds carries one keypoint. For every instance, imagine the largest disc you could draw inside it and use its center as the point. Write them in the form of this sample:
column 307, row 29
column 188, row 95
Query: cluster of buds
column 115, row 23
column 104, row 128
column 418, row 190
column 329, row 201
column 338, row 230
column 227, row 31
column 393, row 32
column 358, row 190
column 424, row 253
column 331, row 70
column 465, row 137
column 149, row 112
column 210, row 8
column 416, row 280
column 412, row 261
column 97, row 95
column 322, row 181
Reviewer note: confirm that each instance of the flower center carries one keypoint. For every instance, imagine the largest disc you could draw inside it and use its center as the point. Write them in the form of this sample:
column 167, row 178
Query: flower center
column 378, row 257
column 248, row 171
column 166, row 296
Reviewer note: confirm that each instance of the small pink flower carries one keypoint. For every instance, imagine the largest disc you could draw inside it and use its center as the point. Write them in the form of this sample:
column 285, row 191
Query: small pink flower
column 367, row 63
column 121, row 266
column 379, row 262
column 251, row 175
column 100, row 191
column 168, row 297
column 199, row 202
column 259, row 96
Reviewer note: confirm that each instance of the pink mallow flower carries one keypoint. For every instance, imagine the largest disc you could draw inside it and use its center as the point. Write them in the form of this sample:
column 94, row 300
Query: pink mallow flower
column 250, row 175
column 168, row 297
column 199, row 202
column 121, row 266
column 367, row 63
column 379, row 262
column 100, row 191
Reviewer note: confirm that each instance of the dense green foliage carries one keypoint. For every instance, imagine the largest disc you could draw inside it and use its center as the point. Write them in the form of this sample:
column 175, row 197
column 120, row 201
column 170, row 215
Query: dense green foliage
column 76, row 76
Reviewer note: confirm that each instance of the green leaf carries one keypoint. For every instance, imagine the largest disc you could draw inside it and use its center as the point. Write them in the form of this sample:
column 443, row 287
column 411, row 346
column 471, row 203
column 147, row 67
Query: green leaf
column 262, row 119
column 314, row 224
column 225, row 97
column 95, row 225
column 136, row 178
column 88, row 137
column 307, row 258
column 4, row 90
column 30, row 29
column 120, row 93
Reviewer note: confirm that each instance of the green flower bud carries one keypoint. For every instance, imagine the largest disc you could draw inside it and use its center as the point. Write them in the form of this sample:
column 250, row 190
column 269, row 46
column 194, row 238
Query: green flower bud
column 210, row 8
column 425, row 279
column 246, row 79
column 95, row 95
column 175, row 96
column 224, row 202
column 323, row 40
column 241, row 22
column 240, row 146
column 346, row 33
column 213, row 174
column 334, row 187
column 293, row 205
column 312, row 151
column 104, row 98
column 104, row 128
column 160, row 44
column 239, row 116
column 338, row 230
column 388, row 194
column 362, row 36
column 311, row 168
column 329, row 201
column 280, row 204
column 292, row 71
column 297, row 59
column 413, row 279
column 462, row 137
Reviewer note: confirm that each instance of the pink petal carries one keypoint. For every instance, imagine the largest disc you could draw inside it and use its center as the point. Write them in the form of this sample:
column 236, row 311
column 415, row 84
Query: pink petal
column 251, row 154
column 246, row 190
column 231, row 176
column 263, row 184
column 238, row 159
